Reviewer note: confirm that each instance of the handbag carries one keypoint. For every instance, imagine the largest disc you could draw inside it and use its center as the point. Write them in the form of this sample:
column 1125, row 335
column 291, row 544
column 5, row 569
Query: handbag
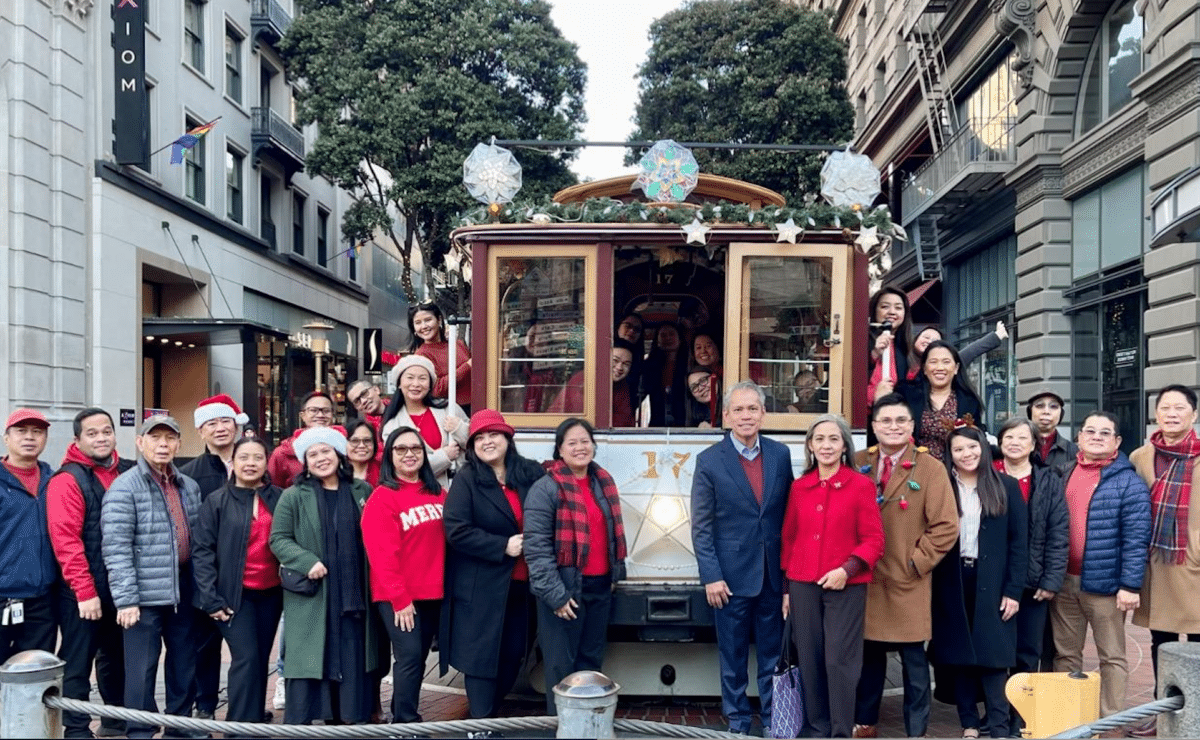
column 787, row 700
column 297, row 582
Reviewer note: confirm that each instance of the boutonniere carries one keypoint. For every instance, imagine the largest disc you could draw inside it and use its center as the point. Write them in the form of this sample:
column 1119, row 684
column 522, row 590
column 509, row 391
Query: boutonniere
column 873, row 449
column 903, row 503
column 865, row 469
column 907, row 464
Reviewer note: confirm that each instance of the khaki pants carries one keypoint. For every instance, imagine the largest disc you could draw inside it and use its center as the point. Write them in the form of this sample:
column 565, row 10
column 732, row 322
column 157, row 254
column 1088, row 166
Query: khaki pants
column 1071, row 612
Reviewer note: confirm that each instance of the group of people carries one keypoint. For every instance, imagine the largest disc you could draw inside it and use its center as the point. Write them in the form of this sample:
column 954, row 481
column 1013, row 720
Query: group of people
column 970, row 561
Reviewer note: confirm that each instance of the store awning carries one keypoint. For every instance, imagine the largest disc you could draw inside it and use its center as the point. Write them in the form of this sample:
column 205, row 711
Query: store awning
column 918, row 292
column 205, row 332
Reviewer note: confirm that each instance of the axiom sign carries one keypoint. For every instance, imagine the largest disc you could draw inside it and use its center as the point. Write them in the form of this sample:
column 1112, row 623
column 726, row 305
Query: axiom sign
column 131, row 111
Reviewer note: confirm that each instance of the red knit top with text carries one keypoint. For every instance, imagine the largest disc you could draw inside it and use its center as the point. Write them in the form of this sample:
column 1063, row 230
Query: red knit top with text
column 405, row 543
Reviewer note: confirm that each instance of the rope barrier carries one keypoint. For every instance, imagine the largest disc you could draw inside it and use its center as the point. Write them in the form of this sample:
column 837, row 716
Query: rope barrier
column 1122, row 718
column 259, row 729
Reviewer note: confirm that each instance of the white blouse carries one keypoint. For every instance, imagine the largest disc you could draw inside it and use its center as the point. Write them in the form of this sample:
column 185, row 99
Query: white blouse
column 968, row 523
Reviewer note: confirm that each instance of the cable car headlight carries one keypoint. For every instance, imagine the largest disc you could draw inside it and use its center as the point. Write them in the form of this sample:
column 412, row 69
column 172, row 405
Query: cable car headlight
column 666, row 512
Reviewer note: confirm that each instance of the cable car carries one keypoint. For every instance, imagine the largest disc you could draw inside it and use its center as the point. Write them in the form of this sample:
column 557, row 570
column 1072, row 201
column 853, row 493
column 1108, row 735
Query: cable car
column 550, row 292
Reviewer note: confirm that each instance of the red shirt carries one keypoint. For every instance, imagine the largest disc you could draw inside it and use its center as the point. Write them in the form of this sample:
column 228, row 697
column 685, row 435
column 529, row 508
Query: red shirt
column 406, row 544
column 262, row 567
column 1080, row 488
column 29, row 477
column 65, row 513
column 1048, row 442
column 596, row 563
column 521, row 570
column 828, row 522
column 439, row 354
column 1025, row 483
column 175, row 511
column 428, row 427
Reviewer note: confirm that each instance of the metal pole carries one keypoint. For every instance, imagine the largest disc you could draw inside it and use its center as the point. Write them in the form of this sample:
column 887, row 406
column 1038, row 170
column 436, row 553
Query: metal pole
column 24, row 680
column 452, row 365
column 586, row 702
column 1179, row 673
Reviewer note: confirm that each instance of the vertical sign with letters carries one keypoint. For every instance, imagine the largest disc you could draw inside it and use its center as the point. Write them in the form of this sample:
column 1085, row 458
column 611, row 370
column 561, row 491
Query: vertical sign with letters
column 131, row 111
column 372, row 350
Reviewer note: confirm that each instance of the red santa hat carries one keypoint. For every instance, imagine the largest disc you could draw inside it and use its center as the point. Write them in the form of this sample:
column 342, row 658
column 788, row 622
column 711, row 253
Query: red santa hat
column 219, row 406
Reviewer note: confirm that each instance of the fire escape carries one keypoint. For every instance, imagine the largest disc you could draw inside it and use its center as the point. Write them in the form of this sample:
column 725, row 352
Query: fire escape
column 923, row 17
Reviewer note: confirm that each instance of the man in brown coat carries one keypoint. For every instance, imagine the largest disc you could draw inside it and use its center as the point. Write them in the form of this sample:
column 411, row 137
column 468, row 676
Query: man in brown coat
column 920, row 525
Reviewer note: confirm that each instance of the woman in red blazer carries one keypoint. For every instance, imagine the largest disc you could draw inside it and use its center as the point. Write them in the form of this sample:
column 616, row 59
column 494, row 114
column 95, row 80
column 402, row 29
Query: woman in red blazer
column 832, row 537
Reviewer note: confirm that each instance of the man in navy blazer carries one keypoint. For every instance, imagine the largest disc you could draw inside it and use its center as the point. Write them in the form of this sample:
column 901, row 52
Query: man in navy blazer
column 739, row 495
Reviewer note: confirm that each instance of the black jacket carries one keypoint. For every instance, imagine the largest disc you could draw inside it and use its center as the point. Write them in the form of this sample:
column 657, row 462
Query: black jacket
column 219, row 543
column 478, row 521
column 1000, row 571
column 1049, row 530
column 1062, row 454
column 208, row 471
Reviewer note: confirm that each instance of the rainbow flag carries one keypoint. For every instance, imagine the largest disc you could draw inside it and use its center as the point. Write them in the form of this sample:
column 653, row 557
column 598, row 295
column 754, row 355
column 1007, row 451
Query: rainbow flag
column 189, row 140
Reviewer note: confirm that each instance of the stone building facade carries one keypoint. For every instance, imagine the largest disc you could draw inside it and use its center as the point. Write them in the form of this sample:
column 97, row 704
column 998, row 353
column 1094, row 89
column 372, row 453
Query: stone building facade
column 136, row 287
column 1044, row 158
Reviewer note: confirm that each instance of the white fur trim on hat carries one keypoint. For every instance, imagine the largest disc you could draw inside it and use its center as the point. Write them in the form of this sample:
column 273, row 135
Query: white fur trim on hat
column 413, row 360
column 219, row 407
column 319, row 436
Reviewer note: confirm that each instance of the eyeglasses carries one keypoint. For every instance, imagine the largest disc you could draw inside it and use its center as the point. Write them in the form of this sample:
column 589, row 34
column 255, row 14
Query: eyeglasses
column 360, row 441
column 360, row 398
column 899, row 421
column 404, row 451
column 318, row 411
column 698, row 386
column 1101, row 433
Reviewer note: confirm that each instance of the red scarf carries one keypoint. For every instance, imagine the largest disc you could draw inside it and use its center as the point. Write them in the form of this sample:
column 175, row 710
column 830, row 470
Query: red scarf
column 571, row 530
column 1170, row 496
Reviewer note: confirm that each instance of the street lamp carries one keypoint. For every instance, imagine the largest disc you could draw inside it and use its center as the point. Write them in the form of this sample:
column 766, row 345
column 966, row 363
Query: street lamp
column 320, row 346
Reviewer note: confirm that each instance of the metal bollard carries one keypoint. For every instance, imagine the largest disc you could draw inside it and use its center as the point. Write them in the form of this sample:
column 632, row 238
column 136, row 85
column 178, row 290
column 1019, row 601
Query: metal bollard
column 1179, row 673
column 587, row 704
column 24, row 680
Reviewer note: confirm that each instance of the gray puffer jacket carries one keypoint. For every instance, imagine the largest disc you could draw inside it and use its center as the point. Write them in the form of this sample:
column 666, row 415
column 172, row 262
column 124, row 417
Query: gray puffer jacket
column 139, row 548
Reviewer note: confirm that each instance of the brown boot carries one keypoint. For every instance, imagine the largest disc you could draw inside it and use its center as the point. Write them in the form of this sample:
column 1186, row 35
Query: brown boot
column 865, row 731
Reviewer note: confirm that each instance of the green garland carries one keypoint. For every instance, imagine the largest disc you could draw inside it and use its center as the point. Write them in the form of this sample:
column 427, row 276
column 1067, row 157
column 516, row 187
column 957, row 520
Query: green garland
column 814, row 215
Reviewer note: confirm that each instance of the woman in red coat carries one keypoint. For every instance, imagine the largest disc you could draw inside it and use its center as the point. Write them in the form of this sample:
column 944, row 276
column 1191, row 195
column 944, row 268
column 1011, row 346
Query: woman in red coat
column 832, row 537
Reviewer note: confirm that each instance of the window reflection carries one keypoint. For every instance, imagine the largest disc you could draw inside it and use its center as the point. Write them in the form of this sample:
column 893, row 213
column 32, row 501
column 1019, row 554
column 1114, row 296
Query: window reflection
column 787, row 307
column 542, row 334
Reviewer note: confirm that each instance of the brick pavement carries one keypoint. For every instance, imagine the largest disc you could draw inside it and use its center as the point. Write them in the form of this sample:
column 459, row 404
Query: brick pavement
column 443, row 698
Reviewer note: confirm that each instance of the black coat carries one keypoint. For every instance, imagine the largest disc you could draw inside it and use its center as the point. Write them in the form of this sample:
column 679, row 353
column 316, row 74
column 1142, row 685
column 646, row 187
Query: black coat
column 208, row 471
column 1049, row 530
column 478, row 521
column 219, row 542
column 1000, row 571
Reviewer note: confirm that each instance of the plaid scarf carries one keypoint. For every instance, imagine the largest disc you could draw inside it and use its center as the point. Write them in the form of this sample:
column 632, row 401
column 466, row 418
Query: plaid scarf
column 1170, row 496
column 571, row 526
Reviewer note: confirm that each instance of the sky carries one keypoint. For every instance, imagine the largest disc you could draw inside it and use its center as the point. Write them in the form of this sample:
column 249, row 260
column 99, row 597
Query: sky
column 612, row 41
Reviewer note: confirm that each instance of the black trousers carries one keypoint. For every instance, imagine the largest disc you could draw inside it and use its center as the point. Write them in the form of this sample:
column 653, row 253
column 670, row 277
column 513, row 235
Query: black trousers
column 570, row 645
column 39, row 631
column 173, row 627
column 410, row 650
column 250, row 634
column 1032, row 621
column 827, row 630
column 84, row 642
column 208, row 662
column 915, row 671
column 967, row 681
column 484, row 693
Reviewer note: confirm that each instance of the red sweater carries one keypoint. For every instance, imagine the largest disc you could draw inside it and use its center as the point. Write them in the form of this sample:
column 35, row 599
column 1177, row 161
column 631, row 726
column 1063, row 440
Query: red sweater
column 406, row 544
column 439, row 354
column 1079, row 489
column 64, row 516
column 597, row 557
column 828, row 522
column 262, row 568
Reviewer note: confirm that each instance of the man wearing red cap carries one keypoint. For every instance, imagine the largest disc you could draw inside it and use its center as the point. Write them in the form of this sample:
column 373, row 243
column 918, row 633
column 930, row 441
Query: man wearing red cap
column 217, row 419
column 27, row 568
column 89, row 620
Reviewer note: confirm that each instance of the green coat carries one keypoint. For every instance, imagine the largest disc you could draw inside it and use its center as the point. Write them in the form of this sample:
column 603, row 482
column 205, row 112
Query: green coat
column 298, row 541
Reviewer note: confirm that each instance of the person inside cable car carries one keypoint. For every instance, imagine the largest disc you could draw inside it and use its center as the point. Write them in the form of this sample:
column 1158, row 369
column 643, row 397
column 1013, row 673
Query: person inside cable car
column 570, row 400
column 665, row 378
column 808, row 399
column 701, row 399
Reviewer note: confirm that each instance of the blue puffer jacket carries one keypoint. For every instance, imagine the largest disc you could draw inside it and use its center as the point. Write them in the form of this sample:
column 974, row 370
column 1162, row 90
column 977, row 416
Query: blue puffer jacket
column 1118, row 530
column 27, row 564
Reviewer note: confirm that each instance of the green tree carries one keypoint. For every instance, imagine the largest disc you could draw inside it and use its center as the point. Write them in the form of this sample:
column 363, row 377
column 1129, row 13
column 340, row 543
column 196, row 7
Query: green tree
column 746, row 71
column 402, row 90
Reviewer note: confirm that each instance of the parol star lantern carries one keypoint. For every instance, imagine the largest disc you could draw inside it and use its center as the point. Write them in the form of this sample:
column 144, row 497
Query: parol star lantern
column 492, row 175
column 668, row 172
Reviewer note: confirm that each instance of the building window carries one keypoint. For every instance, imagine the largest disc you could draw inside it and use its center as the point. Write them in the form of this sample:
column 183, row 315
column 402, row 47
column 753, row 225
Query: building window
column 193, row 33
column 352, row 271
column 193, row 161
column 298, row 223
column 1107, row 227
column 265, row 207
column 322, row 237
column 234, row 161
column 233, row 65
column 1113, row 62
column 990, row 110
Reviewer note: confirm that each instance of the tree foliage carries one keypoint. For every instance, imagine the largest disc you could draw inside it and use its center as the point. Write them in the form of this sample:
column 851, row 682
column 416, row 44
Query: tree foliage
column 747, row 71
column 402, row 90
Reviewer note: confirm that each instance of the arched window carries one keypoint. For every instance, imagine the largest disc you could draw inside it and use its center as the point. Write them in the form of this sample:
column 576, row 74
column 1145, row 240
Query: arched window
column 1114, row 60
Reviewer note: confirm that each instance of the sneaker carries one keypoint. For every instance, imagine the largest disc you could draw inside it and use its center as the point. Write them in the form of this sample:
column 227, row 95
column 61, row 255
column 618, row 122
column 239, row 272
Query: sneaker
column 280, row 700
